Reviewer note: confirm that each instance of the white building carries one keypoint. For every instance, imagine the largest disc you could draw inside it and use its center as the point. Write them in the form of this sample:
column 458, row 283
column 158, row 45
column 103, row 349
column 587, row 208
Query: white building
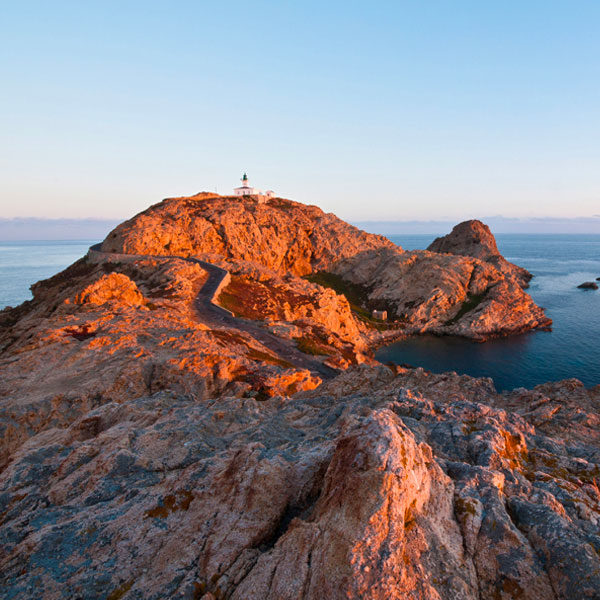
column 246, row 190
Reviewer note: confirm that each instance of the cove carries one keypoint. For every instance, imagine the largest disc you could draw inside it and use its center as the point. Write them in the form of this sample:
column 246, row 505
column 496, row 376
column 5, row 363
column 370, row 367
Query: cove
column 511, row 362
column 572, row 349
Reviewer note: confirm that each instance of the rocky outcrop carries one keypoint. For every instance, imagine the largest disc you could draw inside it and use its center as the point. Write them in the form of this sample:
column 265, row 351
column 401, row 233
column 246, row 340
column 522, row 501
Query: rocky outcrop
column 285, row 236
column 89, row 338
column 377, row 484
column 444, row 293
column 114, row 287
column 474, row 238
column 588, row 285
column 155, row 446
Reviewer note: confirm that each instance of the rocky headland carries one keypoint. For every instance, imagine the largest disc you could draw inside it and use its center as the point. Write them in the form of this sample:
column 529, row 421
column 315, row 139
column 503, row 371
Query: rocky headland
column 193, row 411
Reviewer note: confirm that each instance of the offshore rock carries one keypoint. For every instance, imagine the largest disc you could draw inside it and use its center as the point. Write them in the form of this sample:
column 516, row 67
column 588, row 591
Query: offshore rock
column 474, row 238
column 588, row 285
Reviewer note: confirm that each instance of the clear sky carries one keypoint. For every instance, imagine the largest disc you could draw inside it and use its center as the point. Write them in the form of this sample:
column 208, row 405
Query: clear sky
column 372, row 110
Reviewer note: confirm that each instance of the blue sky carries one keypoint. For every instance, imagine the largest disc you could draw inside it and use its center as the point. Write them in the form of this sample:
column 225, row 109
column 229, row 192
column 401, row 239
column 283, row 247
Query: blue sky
column 384, row 110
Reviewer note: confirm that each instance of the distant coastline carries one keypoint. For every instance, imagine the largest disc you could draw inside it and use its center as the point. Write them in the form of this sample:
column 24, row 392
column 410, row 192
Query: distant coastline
column 32, row 228
column 497, row 224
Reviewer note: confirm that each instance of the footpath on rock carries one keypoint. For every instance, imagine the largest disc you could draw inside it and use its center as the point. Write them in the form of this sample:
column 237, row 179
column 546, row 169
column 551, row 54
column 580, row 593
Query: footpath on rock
column 216, row 316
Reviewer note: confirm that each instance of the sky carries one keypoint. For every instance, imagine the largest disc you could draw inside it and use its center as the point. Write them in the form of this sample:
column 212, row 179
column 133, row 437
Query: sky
column 372, row 110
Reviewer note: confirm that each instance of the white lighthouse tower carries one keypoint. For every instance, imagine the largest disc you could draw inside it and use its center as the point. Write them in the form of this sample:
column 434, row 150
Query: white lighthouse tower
column 246, row 190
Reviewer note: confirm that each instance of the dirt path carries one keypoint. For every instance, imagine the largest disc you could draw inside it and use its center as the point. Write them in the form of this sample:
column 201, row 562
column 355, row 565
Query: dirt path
column 215, row 316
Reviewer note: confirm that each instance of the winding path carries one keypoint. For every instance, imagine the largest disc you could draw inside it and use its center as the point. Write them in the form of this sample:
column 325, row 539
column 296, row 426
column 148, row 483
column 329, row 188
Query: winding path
column 216, row 316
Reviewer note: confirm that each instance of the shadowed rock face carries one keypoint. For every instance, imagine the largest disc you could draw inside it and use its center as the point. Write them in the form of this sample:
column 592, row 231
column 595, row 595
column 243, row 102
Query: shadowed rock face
column 375, row 485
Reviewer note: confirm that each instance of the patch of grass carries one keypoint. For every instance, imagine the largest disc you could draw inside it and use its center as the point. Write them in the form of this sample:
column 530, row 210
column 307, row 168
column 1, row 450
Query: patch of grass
column 356, row 294
column 309, row 346
column 472, row 302
column 257, row 300
column 264, row 357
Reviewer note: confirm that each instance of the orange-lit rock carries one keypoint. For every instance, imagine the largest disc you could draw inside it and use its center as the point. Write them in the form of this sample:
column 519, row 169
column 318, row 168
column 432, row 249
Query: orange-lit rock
column 113, row 287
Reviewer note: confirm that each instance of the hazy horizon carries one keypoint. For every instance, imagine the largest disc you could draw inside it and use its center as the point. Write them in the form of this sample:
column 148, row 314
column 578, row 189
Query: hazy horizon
column 40, row 229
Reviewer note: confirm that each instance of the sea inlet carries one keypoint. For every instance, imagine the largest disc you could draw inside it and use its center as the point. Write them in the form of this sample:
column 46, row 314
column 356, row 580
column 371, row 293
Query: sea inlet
column 559, row 264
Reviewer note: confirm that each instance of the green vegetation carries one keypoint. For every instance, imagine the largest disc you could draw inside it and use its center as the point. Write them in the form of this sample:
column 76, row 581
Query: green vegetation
column 309, row 346
column 356, row 294
column 472, row 302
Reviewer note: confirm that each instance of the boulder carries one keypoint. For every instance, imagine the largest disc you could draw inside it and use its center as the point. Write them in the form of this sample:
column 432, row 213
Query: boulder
column 588, row 285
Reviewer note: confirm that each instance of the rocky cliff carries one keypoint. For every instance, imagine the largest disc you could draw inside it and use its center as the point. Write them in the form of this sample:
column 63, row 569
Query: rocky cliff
column 284, row 236
column 474, row 238
column 474, row 293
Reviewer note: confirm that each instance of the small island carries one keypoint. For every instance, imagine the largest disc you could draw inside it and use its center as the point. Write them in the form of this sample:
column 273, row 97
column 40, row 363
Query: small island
column 196, row 404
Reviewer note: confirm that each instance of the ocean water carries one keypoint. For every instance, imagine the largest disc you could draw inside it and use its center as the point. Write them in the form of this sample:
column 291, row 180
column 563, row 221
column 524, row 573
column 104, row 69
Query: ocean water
column 559, row 264
column 24, row 263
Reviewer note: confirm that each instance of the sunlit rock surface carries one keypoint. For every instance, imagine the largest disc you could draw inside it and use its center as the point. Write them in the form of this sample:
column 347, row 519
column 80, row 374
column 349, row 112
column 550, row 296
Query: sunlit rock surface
column 374, row 485
column 153, row 445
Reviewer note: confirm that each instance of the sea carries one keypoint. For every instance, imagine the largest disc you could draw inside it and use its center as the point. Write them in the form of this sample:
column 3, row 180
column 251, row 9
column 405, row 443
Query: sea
column 24, row 263
column 558, row 262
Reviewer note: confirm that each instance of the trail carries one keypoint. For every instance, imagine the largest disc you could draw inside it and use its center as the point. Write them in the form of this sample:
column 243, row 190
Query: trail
column 217, row 317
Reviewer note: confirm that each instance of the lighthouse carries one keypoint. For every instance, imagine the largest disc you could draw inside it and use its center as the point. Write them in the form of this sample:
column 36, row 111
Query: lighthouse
column 245, row 189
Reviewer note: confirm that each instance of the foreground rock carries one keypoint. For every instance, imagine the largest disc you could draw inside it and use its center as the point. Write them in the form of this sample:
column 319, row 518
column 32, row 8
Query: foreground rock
column 588, row 285
column 375, row 485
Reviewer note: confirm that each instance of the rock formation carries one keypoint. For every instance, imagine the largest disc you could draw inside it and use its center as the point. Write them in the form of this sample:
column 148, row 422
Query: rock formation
column 474, row 294
column 444, row 293
column 284, row 236
column 474, row 238
column 156, row 446
column 588, row 285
